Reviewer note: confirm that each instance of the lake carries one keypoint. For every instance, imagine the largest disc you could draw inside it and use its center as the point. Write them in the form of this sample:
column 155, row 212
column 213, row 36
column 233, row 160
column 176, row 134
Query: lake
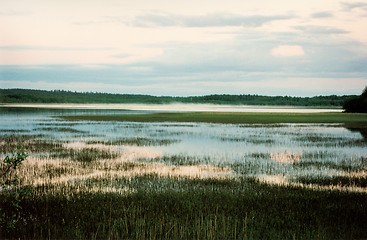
column 274, row 153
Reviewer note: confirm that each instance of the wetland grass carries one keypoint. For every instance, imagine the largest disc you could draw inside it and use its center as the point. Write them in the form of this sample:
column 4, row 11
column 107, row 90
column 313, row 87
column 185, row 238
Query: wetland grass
column 340, row 181
column 59, row 129
column 137, row 141
column 96, row 189
column 179, row 160
column 34, row 144
column 351, row 120
column 154, row 206
column 30, row 143
column 195, row 209
column 345, row 166
column 2, row 131
column 85, row 155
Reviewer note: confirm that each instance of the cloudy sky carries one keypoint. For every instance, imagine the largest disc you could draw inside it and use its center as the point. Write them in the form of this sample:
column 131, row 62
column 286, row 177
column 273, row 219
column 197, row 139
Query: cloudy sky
column 191, row 47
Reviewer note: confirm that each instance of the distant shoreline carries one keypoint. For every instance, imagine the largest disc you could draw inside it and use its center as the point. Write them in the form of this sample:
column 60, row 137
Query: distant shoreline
column 29, row 96
column 178, row 107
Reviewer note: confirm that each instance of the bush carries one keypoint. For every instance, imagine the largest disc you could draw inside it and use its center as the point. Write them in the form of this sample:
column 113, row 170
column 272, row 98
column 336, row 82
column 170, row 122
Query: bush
column 9, row 194
column 8, row 167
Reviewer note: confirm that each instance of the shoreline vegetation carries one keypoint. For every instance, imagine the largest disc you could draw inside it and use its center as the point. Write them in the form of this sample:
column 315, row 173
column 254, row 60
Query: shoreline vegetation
column 353, row 120
column 58, row 96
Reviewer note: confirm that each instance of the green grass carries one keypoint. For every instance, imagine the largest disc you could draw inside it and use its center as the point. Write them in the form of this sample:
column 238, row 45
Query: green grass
column 194, row 209
column 58, row 129
column 178, row 160
column 335, row 181
column 85, row 155
column 30, row 143
column 352, row 120
column 137, row 141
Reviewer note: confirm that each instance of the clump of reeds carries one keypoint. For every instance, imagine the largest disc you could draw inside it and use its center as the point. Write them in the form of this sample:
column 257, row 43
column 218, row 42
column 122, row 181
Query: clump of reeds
column 85, row 155
column 138, row 141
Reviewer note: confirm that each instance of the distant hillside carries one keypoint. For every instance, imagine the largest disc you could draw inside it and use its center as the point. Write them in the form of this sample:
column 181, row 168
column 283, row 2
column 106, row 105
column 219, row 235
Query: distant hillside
column 57, row 96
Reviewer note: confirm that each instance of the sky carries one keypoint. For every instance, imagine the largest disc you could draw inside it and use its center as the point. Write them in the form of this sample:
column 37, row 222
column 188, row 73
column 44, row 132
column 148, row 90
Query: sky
column 185, row 48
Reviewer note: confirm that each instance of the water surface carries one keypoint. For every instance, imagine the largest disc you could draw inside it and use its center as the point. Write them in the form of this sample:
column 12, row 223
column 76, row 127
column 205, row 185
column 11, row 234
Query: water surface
column 287, row 150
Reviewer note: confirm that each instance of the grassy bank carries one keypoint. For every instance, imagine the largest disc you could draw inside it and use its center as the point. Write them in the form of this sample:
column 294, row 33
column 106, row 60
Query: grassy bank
column 358, row 120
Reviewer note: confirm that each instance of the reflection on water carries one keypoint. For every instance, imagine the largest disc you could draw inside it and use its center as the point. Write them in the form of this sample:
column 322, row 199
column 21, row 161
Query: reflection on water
column 281, row 150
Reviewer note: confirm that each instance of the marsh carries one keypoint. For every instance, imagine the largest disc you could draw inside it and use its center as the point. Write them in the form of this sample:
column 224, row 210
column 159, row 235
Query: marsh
column 72, row 154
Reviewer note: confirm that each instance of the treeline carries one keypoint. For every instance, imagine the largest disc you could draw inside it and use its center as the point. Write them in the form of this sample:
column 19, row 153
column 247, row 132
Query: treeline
column 357, row 104
column 59, row 96
column 322, row 101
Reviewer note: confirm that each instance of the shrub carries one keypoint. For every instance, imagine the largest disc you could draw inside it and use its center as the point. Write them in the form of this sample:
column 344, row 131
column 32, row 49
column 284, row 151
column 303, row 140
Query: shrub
column 9, row 195
column 8, row 167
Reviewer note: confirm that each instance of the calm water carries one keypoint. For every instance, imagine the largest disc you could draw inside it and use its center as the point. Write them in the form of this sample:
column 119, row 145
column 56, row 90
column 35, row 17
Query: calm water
column 288, row 149
column 179, row 107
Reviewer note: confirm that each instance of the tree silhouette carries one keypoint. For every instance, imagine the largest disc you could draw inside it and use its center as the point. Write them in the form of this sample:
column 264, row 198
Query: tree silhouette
column 357, row 104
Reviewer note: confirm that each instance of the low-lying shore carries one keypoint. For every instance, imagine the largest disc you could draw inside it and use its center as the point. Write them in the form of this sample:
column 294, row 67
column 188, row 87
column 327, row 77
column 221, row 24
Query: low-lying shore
column 180, row 107
column 351, row 120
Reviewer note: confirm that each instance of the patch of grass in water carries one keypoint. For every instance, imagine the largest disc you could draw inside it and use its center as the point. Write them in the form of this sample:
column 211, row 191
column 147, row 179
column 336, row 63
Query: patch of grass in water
column 57, row 124
column 357, row 142
column 323, row 165
column 261, row 141
column 85, row 155
column 249, row 140
column 260, row 155
column 177, row 125
column 29, row 143
column 136, row 142
column 179, row 160
column 58, row 129
column 322, row 154
column 343, row 181
column 14, row 131
column 344, row 165
column 349, row 119
column 318, row 138
column 256, row 166
column 329, row 141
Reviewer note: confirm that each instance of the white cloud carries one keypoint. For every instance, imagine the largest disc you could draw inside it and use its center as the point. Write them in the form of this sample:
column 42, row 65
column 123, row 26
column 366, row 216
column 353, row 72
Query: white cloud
column 312, row 29
column 349, row 6
column 287, row 51
column 324, row 14
column 208, row 20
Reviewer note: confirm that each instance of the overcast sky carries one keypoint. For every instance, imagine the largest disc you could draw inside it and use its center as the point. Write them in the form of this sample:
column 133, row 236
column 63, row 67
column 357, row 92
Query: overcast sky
column 191, row 47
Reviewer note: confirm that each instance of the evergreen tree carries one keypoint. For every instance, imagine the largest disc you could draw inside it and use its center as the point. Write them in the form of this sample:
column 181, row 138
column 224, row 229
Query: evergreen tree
column 357, row 104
